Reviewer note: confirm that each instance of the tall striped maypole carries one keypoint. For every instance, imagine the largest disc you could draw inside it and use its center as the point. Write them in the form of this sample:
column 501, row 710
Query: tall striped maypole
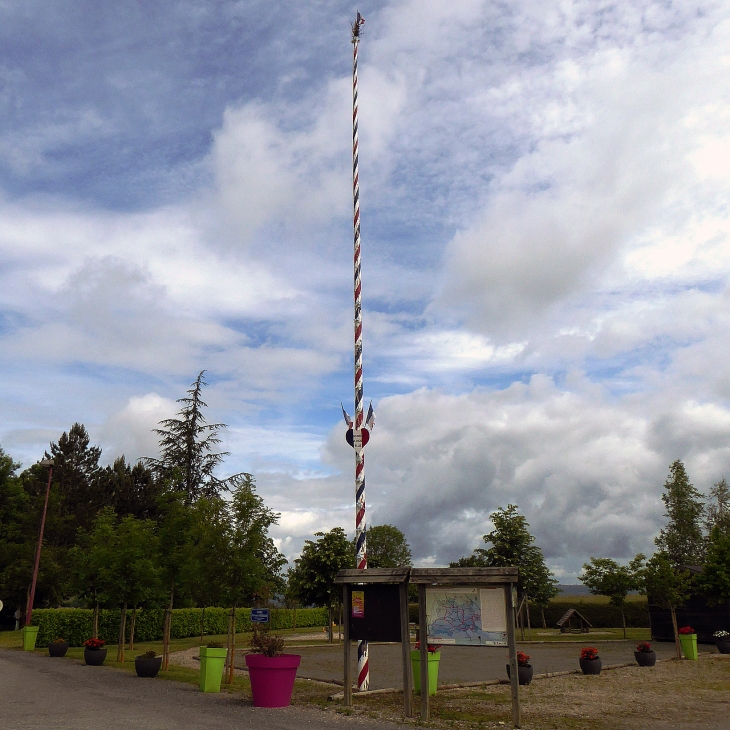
column 363, row 669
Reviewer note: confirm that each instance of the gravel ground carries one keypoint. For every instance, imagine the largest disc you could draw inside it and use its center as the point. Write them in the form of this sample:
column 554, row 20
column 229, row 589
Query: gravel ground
column 40, row 692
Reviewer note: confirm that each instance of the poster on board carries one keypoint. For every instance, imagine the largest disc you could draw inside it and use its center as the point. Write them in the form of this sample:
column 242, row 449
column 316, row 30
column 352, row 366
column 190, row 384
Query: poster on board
column 466, row 616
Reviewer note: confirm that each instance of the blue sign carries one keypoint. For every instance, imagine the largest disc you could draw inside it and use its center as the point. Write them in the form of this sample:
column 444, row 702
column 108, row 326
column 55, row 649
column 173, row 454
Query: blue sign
column 259, row 615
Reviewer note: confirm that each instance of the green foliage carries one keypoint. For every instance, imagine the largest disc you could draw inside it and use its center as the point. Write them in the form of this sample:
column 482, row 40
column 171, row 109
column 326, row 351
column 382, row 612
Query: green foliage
column 512, row 545
column 188, row 460
column 266, row 643
column 387, row 547
column 664, row 583
column 313, row 576
column 682, row 539
column 717, row 512
column 714, row 581
column 75, row 624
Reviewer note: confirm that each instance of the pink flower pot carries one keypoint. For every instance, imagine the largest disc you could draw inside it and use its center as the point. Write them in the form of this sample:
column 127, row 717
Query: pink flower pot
column 272, row 678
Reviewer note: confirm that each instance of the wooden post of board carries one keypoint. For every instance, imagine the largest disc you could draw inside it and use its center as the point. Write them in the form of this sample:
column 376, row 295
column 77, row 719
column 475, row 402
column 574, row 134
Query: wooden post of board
column 405, row 644
column 423, row 638
column 346, row 631
column 509, row 610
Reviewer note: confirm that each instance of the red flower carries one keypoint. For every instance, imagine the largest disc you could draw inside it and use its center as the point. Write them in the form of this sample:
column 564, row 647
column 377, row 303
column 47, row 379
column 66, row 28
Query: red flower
column 523, row 659
column 644, row 647
column 433, row 648
column 94, row 643
column 589, row 653
column 685, row 630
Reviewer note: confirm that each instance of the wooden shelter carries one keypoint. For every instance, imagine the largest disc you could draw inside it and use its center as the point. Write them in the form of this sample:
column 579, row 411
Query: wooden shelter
column 565, row 623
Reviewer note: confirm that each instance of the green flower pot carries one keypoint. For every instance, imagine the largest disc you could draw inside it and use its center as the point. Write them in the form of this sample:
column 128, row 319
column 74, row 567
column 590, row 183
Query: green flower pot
column 30, row 634
column 689, row 645
column 211, row 668
column 434, row 657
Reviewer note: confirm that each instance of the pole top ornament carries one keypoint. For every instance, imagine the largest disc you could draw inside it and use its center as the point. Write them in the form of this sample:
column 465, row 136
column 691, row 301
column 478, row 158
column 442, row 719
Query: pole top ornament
column 357, row 27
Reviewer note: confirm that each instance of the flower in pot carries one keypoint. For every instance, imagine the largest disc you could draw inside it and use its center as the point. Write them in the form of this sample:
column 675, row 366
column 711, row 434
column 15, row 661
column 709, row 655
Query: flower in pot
column 212, row 659
column 722, row 641
column 645, row 655
column 524, row 668
column 688, row 640
column 94, row 652
column 434, row 657
column 58, row 647
column 590, row 662
column 272, row 672
column 147, row 664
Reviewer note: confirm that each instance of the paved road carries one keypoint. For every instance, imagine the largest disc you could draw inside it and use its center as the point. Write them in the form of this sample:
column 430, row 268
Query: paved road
column 61, row 694
column 467, row 663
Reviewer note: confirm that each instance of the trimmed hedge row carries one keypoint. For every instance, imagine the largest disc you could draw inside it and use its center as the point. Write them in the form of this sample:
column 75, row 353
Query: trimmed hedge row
column 600, row 615
column 76, row 624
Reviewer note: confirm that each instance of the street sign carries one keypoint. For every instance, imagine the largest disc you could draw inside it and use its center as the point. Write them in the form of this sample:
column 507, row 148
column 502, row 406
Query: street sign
column 259, row 615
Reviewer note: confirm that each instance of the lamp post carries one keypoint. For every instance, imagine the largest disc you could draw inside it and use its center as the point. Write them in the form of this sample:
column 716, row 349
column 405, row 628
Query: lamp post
column 31, row 597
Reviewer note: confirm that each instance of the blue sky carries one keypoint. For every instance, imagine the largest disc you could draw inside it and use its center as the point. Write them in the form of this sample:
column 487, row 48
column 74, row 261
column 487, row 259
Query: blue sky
column 545, row 252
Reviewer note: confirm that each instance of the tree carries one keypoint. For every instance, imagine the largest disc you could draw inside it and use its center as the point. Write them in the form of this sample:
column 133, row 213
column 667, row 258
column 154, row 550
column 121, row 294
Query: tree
column 387, row 548
column 512, row 545
column 131, row 490
column 605, row 577
column 682, row 539
column 315, row 570
column 188, row 460
column 668, row 586
column 718, row 511
column 714, row 581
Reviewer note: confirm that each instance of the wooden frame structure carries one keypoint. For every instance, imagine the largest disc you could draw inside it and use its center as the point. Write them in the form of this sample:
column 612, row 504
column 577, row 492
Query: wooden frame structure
column 583, row 624
column 423, row 578
column 397, row 576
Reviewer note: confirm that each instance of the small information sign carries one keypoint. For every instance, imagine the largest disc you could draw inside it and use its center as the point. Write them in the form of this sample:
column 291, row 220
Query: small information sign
column 259, row 615
column 358, row 604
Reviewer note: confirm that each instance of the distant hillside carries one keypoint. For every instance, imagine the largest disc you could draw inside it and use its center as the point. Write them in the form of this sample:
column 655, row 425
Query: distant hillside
column 573, row 590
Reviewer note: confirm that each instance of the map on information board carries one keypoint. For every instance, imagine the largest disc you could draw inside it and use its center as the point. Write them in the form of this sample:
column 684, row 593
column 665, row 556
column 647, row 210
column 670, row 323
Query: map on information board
column 467, row 616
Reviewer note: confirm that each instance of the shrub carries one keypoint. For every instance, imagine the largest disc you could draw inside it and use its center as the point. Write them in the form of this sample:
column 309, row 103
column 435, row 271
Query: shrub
column 77, row 623
column 267, row 644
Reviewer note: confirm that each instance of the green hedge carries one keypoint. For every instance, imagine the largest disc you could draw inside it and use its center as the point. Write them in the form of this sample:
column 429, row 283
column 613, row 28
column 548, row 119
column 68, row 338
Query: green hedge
column 75, row 624
column 600, row 615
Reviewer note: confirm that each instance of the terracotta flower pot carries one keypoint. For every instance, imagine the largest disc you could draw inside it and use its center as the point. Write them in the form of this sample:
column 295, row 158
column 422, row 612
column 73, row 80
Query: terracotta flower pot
column 272, row 678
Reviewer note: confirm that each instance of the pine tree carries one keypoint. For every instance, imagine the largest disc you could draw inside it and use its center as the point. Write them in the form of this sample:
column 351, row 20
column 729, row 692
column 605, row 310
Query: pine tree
column 682, row 539
column 188, row 460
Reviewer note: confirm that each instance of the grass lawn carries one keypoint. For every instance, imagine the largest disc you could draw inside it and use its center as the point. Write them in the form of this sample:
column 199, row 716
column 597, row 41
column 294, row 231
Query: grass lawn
column 594, row 636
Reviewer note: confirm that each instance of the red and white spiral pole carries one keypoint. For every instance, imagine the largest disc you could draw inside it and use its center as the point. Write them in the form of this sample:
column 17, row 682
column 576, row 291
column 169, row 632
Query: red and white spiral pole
column 363, row 669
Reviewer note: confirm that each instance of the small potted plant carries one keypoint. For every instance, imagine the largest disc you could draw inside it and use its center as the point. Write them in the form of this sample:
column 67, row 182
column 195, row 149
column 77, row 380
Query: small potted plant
column 590, row 662
column 688, row 640
column 147, row 664
column 434, row 657
column 212, row 659
column 722, row 641
column 58, row 647
column 272, row 672
column 94, row 652
column 524, row 668
column 645, row 655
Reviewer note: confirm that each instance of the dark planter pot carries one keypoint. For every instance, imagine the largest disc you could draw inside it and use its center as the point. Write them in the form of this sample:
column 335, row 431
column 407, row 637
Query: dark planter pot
column 147, row 667
column 94, row 657
column 58, row 649
column 524, row 674
column 590, row 666
column 645, row 658
column 723, row 645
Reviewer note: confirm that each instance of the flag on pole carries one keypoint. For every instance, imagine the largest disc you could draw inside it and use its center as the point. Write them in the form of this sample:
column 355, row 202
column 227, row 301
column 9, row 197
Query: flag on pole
column 370, row 420
column 360, row 19
column 348, row 420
